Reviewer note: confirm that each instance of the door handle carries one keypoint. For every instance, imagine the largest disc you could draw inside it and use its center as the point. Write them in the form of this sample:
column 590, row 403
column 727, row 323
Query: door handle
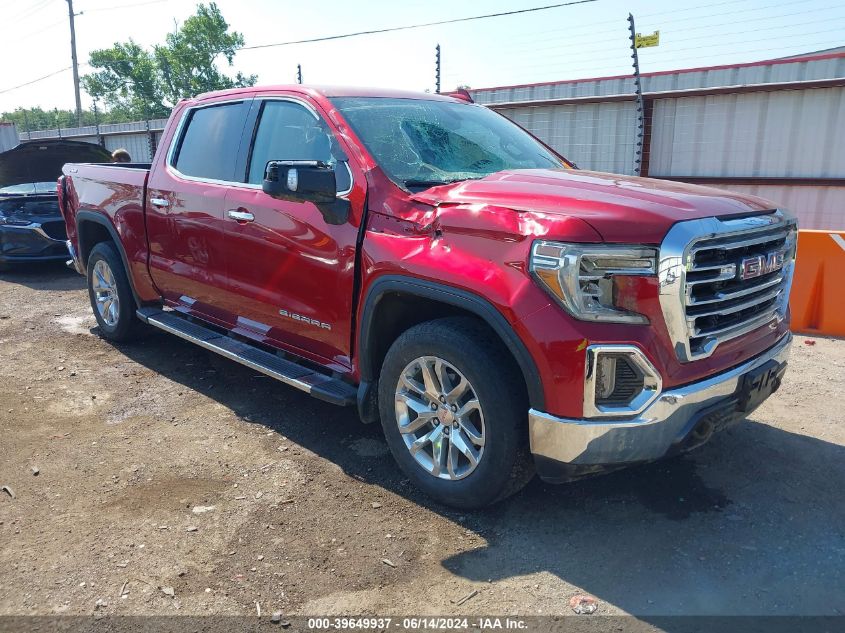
column 240, row 216
column 159, row 202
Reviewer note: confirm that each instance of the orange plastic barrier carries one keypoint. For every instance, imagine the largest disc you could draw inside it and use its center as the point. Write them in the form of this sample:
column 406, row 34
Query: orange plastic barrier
column 818, row 290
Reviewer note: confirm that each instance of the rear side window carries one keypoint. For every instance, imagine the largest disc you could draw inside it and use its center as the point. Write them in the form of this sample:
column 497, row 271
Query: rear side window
column 289, row 131
column 209, row 144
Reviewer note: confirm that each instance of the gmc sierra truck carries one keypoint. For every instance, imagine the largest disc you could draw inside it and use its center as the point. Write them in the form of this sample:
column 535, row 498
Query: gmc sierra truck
column 426, row 260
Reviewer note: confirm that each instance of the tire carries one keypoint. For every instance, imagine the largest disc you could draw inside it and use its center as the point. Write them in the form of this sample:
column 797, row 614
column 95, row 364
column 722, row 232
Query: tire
column 111, row 295
column 464, row 349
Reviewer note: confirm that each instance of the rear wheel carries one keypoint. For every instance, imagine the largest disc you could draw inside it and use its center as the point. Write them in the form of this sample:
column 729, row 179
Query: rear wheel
column 454, row 413
column 111, row 295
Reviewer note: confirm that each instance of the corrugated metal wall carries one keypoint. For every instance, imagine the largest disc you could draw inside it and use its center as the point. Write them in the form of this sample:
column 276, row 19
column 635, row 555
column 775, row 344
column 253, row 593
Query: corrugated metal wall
column 134, row 136
column 791, row 133
column 796, row 133
column 820, row 208
column 8, row 136
column 597, row 136
column 737, row 75
column 138, row 145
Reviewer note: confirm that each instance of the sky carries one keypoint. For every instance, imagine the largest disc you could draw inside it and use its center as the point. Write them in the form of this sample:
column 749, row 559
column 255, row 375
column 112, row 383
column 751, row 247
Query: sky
column 587, row 40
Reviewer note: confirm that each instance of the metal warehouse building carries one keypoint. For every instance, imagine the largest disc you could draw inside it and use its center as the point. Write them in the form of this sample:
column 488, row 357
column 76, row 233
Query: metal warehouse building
column 774, row 128
column 139, row 138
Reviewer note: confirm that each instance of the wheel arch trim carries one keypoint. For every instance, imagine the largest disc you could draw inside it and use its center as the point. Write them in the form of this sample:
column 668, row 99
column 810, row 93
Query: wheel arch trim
column 84, row 216
column 452, row 296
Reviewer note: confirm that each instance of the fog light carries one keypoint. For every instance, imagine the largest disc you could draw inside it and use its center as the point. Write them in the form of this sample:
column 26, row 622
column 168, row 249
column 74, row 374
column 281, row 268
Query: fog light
column 619, row 381
column 605, row 377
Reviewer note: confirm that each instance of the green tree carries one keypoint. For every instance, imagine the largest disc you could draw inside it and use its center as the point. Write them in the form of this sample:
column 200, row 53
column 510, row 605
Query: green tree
column 137, row 83
column 130, row 81
column 28, row 119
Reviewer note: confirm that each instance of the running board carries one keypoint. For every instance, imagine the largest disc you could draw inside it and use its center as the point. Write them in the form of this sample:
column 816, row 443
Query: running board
column 318, row 385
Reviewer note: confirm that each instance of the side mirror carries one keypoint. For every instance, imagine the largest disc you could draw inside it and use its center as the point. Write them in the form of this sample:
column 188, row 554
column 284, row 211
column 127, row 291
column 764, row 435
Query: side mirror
column 306, row 181
column 300, row 181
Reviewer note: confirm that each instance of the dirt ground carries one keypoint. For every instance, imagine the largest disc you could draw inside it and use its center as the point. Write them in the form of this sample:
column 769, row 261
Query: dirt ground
column 171, row 481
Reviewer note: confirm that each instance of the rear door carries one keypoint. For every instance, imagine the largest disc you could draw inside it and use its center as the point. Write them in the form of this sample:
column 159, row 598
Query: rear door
column 292, row 269
column 185, row 209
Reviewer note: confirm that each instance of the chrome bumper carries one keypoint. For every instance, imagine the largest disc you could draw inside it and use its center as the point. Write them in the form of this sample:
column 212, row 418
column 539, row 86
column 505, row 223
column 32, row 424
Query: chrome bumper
column 74, row 262
column 587, row 444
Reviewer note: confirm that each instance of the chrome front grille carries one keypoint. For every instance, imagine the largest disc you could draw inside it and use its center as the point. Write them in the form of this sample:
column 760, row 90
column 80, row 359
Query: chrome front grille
column 721, row 279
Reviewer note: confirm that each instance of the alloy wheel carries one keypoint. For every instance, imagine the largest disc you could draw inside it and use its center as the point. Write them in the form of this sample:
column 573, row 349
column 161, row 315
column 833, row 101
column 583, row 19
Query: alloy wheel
column 440, row 418
column 105, row 291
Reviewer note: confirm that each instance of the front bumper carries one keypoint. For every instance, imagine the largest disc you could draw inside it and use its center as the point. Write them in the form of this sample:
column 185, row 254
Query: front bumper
column 679, row 419
column 74, row 261
column 32, row 243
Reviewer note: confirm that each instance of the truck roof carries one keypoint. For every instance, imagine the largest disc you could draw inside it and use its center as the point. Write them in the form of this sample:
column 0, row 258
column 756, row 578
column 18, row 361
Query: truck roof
column 331, row 91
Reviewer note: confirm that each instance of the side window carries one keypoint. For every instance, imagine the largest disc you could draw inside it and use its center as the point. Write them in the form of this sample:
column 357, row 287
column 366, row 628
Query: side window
column 209, row 144
column 289, row 131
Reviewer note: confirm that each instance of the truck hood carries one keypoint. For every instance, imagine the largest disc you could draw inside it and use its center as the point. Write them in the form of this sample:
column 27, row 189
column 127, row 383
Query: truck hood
column 41, row 161
column 620, row 208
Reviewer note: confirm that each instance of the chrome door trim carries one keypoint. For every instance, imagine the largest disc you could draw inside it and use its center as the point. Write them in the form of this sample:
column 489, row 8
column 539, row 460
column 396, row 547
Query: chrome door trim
column 240, row 216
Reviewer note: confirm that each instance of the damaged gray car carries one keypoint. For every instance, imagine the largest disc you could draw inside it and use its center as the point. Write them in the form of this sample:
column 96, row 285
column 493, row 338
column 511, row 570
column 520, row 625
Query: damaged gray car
column 31, row 226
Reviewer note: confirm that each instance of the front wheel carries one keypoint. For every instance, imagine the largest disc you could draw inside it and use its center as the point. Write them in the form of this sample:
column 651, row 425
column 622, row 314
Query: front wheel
column 453, row 412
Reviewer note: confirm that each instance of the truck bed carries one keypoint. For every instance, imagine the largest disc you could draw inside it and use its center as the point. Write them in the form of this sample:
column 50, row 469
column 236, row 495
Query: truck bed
column 113, row 194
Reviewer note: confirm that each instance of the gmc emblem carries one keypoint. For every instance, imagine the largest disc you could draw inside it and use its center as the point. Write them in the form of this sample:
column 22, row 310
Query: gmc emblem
column 758, row 265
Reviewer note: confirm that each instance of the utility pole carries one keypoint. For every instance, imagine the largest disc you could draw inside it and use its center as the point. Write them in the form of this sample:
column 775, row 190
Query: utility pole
column 638, row 154
column 26, row 125
column 299, row 73
column 71, row 15
column 100, row 139
column 437, row 70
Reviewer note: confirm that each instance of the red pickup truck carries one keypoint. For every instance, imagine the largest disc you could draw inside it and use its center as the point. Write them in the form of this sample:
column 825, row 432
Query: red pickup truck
column 426, row 260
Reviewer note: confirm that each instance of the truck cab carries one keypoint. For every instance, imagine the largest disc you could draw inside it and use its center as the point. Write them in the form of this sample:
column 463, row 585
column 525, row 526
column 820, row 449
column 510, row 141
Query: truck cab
column 427, row 261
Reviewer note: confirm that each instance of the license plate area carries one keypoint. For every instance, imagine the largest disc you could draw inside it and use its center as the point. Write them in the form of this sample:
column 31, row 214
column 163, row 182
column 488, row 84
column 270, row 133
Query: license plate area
column 759, row 384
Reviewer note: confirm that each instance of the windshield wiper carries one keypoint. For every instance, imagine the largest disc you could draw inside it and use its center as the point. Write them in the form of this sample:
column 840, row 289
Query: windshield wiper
column 435, row 183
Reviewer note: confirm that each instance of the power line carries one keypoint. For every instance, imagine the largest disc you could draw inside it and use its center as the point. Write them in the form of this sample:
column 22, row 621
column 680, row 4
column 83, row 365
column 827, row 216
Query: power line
column 26, row 36
column 123, row 6
column 534, row 51
column 30, row 11
column 604, row 69
column 419, row 26
column 668, row 37
column 553, row 68
column 52, row 74
column 587, row 27
column 683, row 29
column 770, row 28
column 706, row 5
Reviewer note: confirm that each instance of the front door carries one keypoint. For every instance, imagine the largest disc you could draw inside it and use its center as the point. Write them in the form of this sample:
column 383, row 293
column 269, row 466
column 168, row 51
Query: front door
column 293, row 270
column 185, row 209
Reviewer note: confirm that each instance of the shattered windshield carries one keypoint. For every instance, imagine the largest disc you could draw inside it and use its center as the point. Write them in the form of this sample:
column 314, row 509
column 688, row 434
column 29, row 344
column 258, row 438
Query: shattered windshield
column 422, row 143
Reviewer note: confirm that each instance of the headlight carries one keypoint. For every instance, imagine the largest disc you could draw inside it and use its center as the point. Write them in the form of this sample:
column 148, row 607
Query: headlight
column 11, row 221
column 580, row 276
